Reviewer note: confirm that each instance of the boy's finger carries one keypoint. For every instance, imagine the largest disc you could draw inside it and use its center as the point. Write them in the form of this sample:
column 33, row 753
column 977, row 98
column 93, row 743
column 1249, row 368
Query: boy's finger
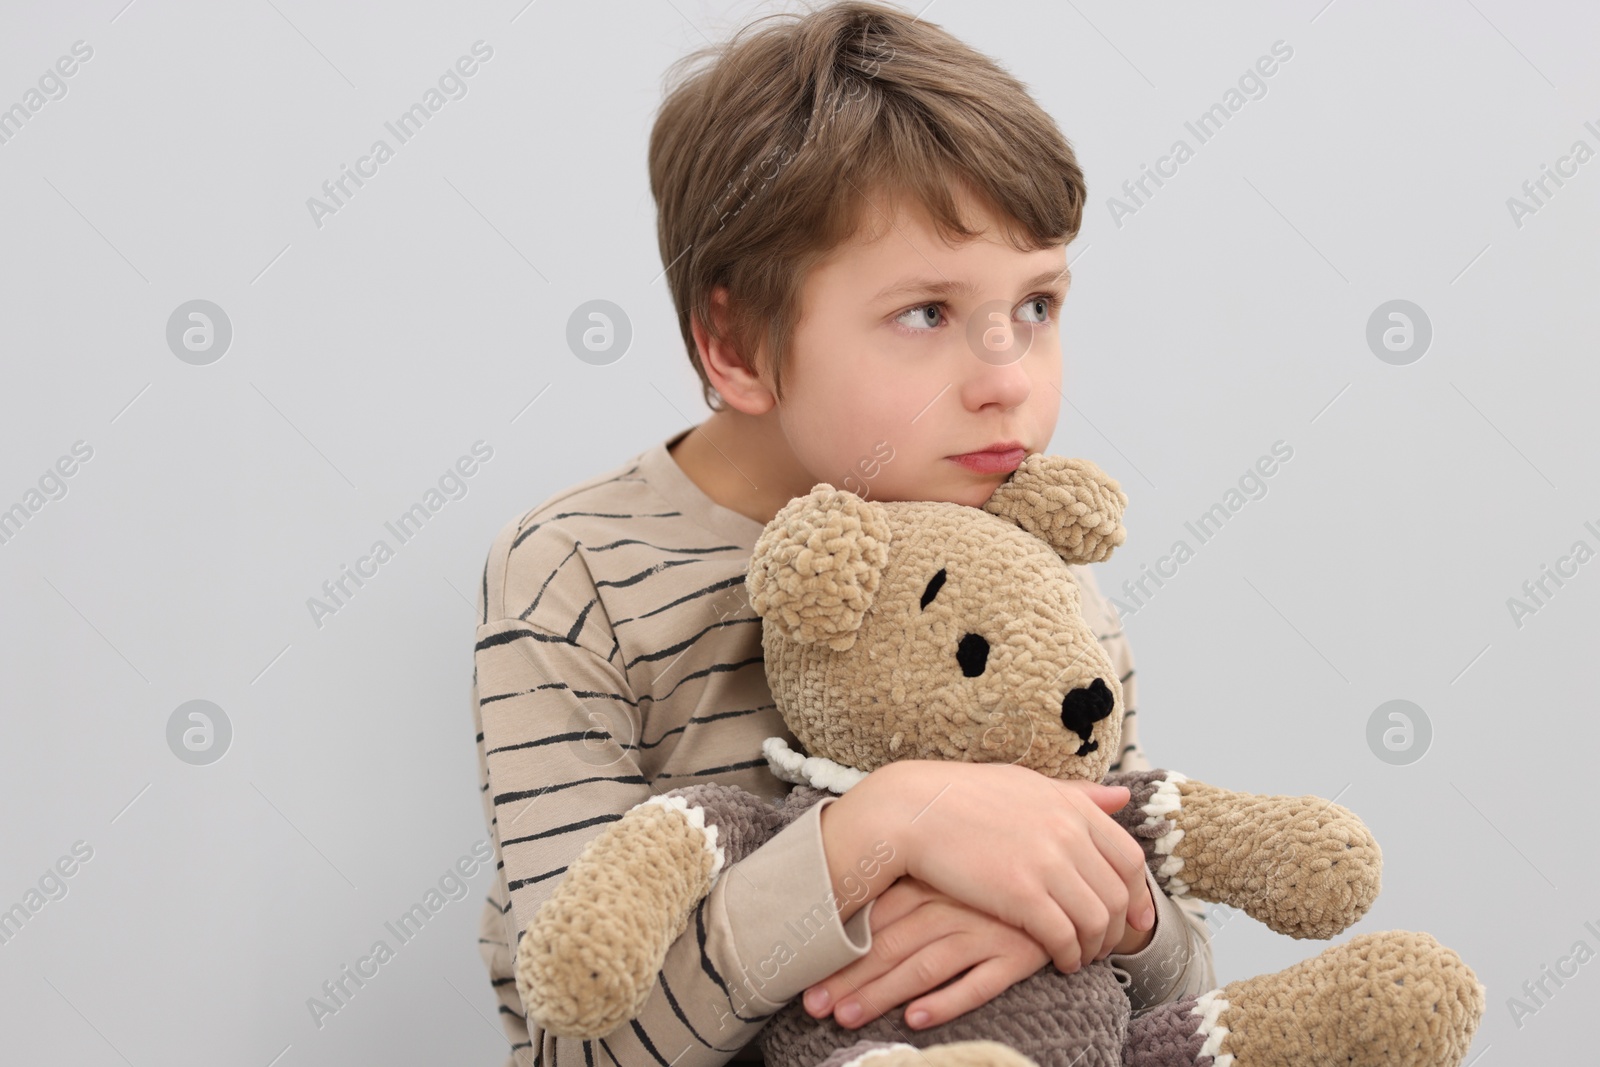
column 1105, row 883
column 1078, row 903
column 927, row 969
column 1050, row 925
column 965, row 994
column 1126, row 857
column 1120, row 848
column 1110, row 798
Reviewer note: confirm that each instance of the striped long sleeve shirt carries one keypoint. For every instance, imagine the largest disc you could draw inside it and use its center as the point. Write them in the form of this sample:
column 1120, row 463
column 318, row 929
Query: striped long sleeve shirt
column 617, row 657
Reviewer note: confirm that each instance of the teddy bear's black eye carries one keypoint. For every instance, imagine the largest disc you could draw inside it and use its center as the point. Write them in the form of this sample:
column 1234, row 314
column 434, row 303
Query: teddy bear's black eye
column 972, row 654
column 933, row 588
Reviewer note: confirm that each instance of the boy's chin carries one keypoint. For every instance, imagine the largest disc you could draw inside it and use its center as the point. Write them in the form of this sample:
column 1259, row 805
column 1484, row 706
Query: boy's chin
column 970, row 489
column 979, row 495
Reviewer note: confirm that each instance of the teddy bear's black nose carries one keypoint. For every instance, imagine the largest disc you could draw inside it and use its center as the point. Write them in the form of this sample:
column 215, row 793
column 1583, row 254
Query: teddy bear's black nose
column 1082, row 708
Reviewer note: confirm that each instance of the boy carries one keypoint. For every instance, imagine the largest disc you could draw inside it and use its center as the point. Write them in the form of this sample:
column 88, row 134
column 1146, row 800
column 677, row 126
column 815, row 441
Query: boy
column 865, row 226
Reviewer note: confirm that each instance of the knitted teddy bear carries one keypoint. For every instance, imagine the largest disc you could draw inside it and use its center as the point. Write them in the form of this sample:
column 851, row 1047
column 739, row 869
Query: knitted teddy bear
column 939, row 631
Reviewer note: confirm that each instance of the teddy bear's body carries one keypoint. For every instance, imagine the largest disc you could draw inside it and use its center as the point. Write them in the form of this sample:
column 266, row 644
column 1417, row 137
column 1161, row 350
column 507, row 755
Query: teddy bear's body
column 935, row 631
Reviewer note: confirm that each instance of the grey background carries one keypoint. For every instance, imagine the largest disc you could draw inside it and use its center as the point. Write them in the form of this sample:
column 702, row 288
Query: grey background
column 1228, row 313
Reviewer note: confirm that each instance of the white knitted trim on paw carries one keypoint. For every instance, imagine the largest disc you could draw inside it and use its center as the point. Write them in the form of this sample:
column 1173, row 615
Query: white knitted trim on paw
column 877, row 1052
column 818, row 771
column 1209, row 1006
column 697, row 818
column 1163, row 803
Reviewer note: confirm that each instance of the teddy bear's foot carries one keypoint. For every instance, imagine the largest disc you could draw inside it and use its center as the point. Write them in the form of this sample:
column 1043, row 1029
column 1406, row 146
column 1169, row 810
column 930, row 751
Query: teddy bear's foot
column 1395, row 997
column 954, row 1054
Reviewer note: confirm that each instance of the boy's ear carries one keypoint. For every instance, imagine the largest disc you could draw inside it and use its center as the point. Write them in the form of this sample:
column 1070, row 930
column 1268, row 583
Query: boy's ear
column 1070, row 504
column 734, row 374
column 817, row 565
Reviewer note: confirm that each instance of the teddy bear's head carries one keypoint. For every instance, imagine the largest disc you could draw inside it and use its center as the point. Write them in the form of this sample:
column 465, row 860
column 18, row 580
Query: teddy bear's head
column 928, row 630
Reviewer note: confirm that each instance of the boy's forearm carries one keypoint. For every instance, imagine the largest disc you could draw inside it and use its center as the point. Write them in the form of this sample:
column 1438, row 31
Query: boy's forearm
column 860, row 835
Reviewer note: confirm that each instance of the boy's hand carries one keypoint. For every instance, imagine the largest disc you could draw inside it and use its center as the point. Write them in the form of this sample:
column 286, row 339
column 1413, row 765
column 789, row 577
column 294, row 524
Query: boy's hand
column 920, row 939
column 1036, row 853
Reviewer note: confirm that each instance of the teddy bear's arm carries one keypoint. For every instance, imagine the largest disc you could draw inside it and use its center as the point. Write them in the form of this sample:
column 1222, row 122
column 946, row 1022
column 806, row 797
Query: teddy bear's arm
column 589, row 958
column 1304, row 866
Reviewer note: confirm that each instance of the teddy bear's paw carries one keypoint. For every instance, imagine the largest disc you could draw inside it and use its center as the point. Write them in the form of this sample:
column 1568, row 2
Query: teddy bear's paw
column 953, row 1054
column 1395, row 998
column 1304, row 866
column 568, row 990
column 588, row 960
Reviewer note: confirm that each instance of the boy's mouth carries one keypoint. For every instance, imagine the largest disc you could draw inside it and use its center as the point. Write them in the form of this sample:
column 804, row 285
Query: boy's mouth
column 993, row 460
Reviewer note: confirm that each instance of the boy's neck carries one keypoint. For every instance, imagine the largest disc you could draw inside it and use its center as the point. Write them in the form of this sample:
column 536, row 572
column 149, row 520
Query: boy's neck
column 743, row 463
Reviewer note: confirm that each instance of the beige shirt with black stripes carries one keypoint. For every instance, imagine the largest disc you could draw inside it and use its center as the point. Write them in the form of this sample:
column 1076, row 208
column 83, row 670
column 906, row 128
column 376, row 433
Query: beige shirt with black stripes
column 617, row 657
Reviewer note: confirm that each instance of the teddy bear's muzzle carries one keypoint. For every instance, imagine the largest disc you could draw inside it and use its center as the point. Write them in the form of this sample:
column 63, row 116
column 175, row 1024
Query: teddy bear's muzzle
column 1082, row 708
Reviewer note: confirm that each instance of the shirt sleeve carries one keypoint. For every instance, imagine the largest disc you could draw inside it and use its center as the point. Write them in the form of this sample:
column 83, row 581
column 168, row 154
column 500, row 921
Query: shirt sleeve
column 560, row 727
column 1178, row 960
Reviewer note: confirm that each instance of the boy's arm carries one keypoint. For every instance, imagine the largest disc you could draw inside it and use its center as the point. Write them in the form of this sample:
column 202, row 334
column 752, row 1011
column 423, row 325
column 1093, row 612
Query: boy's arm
column 560, row 736
column 1178, row 960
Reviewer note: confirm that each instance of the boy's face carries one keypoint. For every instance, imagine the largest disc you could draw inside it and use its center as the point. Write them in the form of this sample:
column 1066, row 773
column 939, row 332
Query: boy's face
column 888, row 377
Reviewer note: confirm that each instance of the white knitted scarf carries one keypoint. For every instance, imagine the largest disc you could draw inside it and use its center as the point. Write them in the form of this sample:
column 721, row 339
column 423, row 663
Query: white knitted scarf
column 818, row 771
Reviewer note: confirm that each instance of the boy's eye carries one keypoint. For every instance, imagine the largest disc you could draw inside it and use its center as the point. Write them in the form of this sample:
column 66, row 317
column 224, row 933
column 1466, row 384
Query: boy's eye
column 1040, row 305
column 918, row 317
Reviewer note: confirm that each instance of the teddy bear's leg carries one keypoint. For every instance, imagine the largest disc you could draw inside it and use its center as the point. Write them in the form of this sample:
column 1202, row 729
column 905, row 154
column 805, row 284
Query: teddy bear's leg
column 1395, row 998
column 1304, row 866
column 954, row 1054
column 589, row 957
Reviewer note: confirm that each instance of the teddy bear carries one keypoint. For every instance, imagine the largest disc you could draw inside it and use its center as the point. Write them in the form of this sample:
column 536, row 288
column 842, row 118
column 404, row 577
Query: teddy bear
column 923, row 630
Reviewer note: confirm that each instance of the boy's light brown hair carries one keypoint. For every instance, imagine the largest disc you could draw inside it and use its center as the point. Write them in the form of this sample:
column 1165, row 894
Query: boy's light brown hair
column 802, row 127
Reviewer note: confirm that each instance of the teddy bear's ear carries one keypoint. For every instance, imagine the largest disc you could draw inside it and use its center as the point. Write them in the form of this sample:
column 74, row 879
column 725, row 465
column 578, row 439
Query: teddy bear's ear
column 816, row 566
column 1070, row 504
